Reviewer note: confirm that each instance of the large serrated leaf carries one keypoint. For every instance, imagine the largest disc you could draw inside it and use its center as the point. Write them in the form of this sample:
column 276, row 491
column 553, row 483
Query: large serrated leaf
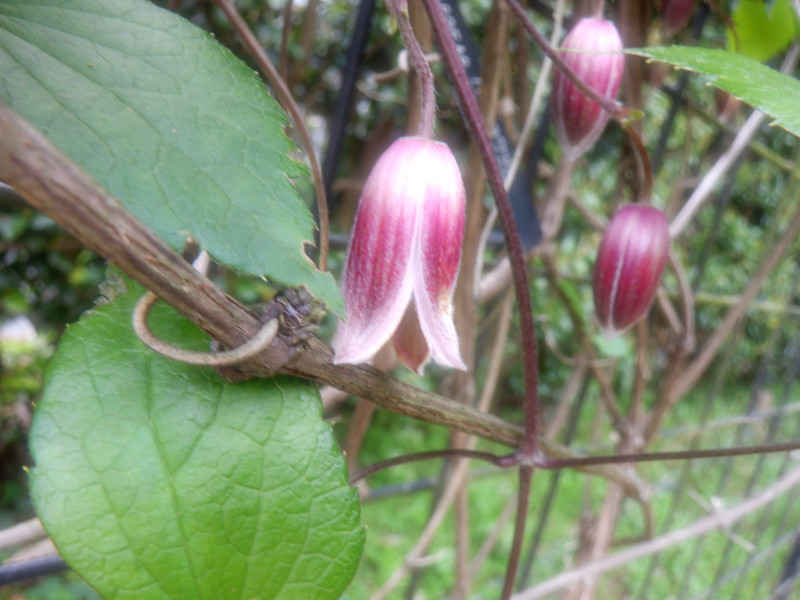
column 168, row 121
column 159, row 480
column 771, row 92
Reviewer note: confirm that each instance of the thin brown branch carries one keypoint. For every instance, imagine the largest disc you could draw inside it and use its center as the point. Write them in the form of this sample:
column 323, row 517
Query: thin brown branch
column 286, row 100
column 494, row 537
column 607, row 396
column 431, row 527
column 359, row 424
column 687, row 299
column 283, row 53
column 740, row 143
column 21, row 534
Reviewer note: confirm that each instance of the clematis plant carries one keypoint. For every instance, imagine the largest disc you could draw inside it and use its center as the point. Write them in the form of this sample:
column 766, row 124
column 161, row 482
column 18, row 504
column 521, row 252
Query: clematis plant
column 402, row 261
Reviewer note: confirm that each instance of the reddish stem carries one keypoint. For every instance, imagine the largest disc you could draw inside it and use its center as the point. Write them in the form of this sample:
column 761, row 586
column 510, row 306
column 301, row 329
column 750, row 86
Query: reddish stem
column 612, row 459
column 523, row 499
column 529, row 447
column 420, row 64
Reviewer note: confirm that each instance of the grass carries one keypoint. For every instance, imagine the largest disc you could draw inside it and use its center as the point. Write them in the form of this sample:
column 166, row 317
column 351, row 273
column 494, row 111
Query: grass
column 744, row 562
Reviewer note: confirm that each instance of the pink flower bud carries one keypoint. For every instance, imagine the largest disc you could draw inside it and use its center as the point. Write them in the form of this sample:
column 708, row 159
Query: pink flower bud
column 404, row 254
column 593, row 50
column 675, row 14
column 629, row 265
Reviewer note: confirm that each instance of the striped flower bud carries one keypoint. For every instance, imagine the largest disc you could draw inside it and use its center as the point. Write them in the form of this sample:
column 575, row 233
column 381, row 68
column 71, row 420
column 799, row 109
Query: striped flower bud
column 675, row 14
column 593, row 50
column 402, row 261
column 629, row 265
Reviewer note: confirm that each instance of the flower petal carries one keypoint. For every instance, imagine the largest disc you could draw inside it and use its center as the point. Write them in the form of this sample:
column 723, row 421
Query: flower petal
column 377, row 279
column 439, row 254
column 409, row 342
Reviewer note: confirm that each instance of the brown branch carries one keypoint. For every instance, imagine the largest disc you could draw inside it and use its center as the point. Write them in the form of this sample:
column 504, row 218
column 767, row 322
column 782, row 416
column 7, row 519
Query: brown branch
column 55, row 186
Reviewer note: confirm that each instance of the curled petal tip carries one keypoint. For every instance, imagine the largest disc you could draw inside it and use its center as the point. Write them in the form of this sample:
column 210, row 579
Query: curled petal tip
column 409, row 342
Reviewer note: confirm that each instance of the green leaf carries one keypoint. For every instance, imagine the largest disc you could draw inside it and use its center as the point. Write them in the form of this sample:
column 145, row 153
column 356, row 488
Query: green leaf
column 763, row 28
column 169, row 122
column 771, row 92
column 160, row 480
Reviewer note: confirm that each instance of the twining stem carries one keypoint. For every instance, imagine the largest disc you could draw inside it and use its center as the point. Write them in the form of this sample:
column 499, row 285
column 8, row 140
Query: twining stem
column 528, row 450
column 399, row 10
column 559, row 463
column 224, row 358
column 428, row 455
column 523, row 499
column 530, row 443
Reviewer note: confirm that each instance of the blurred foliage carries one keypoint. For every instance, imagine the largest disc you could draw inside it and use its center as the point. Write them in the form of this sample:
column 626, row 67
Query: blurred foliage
column 45, row 273
column 47, row 279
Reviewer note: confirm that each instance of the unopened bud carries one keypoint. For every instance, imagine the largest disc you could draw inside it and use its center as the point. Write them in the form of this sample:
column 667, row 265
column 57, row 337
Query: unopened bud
column 593, row 49
column 629, row 265
column 675, row 14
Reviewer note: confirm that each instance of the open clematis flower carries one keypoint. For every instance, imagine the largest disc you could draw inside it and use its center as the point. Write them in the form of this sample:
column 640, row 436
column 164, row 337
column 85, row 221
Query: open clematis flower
column 402, row 262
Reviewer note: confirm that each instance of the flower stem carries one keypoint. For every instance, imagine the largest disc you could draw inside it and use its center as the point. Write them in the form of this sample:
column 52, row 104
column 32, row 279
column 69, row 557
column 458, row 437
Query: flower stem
column 288, row 103
column 426, row 455
column 523, row 499
column 529, row 447
column 616, row 459
column 399, row 10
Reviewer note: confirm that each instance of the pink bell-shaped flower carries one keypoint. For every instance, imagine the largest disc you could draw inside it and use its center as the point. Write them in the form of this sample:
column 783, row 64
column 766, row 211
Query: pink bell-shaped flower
column 403, row 258
column 629, row 264
column 593, row 49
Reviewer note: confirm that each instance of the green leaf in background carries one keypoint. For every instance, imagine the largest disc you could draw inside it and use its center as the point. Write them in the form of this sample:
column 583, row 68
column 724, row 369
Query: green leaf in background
column 763, row 28
column 158, row 480
column 771, row 92
column 169, row 122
